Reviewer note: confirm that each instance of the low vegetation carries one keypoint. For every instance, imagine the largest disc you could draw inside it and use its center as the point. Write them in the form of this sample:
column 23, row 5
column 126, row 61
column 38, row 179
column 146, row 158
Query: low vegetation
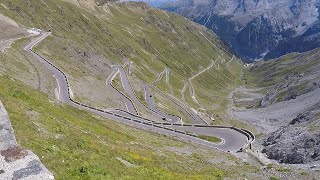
column 285, row 78
column 87, row 39
column 75, row 144
column 210, row 138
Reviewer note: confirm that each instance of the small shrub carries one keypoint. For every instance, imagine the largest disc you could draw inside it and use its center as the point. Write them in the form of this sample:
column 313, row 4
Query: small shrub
column 304, row 173
column 274, row 178
column 218, row 174
column 83, row 170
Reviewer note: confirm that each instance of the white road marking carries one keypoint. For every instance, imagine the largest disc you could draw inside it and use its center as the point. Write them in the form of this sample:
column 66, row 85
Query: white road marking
column 59, row 89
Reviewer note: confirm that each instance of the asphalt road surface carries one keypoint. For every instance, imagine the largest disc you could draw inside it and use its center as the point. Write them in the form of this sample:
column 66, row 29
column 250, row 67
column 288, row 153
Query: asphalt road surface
column 150, row 101
column 129, row 104
column 232, row 140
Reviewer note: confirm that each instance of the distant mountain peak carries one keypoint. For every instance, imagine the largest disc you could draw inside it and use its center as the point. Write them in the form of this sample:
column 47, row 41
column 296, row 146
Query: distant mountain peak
column 255, row 28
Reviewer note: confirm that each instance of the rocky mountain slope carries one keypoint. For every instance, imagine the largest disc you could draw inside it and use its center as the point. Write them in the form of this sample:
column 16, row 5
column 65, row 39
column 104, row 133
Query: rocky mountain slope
column 257, row 28
column 298, row 142
column 155, row 3
column 282, row 99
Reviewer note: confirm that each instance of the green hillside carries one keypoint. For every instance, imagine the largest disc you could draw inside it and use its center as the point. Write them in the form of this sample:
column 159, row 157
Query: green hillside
column 88, row 39
column 288, row 76
column 75, row 144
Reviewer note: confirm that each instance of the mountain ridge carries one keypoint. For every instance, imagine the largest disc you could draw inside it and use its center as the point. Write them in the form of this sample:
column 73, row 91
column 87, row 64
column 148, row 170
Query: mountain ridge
column 255, row 29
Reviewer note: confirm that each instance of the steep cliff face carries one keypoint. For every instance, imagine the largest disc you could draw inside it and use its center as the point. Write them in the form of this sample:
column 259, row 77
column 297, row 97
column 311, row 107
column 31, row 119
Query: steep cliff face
column 309, row 40
column 257, row 28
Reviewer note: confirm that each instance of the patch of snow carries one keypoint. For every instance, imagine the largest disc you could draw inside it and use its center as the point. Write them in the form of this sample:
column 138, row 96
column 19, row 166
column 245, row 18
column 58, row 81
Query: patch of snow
column 34, row 31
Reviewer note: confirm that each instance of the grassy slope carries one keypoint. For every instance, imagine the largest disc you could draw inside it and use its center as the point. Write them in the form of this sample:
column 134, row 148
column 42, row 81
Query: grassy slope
column 22, row 66
column 84, row 42
column 76, row 145
column 210, row 138
column 9, row 29
column 288, row 69
column 270, row 72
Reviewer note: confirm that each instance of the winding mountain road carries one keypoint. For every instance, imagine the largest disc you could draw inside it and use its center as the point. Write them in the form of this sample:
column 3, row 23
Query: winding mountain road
column 150, row 101
column 129, row 104
column 167, row 80
column 133, row 98
column 233, row 139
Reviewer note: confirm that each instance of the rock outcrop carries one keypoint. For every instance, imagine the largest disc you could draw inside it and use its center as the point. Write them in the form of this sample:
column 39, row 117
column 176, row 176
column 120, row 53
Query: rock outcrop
column 287, row 111
column 16, row 162
column 298, row 142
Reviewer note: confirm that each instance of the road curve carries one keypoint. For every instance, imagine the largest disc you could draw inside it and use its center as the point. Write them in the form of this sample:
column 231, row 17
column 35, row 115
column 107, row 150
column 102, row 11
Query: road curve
column 196, row 119
column 150, row 101
column 233, row 139
column 62, row 83
column 129, row 90
column 230, row 137
column 129, row 104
